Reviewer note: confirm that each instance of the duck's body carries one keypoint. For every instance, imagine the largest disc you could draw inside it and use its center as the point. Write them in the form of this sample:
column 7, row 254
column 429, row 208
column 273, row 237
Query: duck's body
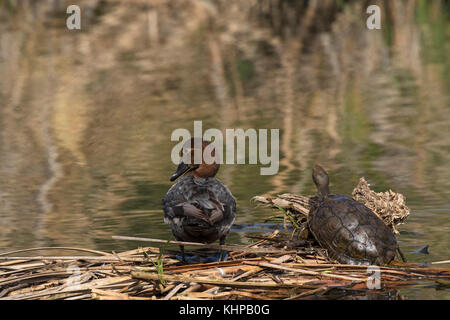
column 199, row 210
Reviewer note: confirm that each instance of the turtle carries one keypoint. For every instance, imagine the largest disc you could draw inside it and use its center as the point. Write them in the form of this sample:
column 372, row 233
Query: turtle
column 349, row 231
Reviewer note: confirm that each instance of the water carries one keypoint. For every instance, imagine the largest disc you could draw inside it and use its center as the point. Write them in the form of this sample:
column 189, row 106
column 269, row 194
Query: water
column 86, row 116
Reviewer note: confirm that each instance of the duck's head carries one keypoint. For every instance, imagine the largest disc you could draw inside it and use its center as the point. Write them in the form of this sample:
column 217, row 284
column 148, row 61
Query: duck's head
column 321, row 180
column 188, row 166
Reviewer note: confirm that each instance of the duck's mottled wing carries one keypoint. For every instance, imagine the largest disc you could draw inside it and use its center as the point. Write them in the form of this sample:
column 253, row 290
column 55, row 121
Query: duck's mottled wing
column 227, row 202
column 189, row 210
column 210, row 201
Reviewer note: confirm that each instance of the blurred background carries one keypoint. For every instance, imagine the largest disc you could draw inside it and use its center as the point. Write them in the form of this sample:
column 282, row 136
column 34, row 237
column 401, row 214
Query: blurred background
column 86, row 115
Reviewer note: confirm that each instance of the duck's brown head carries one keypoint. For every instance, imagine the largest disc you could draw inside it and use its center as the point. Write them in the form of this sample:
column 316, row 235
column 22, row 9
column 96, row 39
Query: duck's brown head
column 189, row 165
column 321, row 180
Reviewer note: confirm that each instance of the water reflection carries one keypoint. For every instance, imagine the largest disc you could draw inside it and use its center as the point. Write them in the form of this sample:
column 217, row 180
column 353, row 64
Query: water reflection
column 86, row 116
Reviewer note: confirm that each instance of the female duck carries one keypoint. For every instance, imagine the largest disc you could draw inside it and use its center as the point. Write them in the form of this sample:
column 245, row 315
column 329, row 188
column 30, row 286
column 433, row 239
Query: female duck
column 198, row 208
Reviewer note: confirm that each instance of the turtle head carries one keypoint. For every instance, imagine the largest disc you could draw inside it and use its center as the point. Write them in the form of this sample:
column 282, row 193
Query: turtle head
column 321, row 180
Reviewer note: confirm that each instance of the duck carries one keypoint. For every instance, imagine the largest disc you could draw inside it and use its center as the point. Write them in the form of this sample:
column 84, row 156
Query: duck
column 198, row 207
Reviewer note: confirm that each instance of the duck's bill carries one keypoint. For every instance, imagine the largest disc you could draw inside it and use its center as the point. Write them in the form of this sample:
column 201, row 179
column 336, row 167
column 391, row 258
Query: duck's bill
column 181, row 170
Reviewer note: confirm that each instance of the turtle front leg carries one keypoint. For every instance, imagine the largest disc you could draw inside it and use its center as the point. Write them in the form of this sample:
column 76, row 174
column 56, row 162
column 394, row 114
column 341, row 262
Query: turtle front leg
column 401, row 254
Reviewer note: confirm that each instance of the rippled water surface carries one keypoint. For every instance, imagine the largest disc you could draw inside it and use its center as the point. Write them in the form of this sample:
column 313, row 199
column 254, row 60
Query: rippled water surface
column 86, row 116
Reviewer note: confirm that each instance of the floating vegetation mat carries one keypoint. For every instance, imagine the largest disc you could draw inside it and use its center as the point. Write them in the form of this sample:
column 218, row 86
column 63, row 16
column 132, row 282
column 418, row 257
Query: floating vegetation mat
column 272, row 267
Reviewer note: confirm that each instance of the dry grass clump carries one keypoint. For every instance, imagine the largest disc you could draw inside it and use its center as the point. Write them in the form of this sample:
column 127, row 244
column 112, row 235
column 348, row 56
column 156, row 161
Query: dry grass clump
column 389, row 205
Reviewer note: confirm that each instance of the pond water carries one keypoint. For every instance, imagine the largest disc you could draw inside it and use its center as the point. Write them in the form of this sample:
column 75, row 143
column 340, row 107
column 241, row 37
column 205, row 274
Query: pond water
column 86, row 116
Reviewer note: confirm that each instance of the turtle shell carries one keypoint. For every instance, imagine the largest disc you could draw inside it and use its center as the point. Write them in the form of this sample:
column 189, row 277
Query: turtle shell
column 351, row 232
